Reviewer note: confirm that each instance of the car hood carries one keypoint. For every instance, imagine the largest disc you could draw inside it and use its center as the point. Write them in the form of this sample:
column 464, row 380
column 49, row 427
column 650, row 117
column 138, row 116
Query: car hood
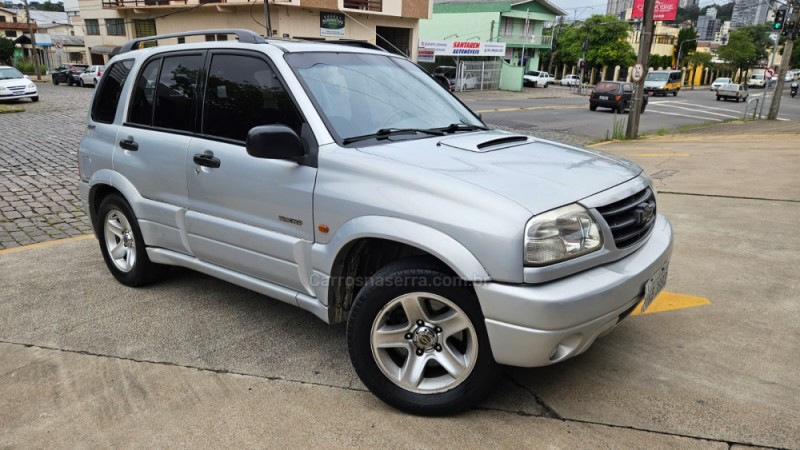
column 537, row 174
column 14, row 82
column 654, row 84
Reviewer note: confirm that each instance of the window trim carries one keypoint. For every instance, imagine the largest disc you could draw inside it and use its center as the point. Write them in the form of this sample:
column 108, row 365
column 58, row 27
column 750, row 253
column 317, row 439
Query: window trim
column 88, row 28
column 116, row 22
column 102, row 83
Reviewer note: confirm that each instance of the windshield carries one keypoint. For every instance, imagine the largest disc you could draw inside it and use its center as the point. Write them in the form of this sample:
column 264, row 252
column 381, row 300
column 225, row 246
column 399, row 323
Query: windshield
column 361, row 94
column 10, row 73
column 655, row 76
column 722, row 80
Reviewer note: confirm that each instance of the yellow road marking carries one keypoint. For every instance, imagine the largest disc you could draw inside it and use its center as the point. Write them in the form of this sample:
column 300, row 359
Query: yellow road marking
column 669, row 301
column 656, row 155
column 529, row 108
column 45, row 244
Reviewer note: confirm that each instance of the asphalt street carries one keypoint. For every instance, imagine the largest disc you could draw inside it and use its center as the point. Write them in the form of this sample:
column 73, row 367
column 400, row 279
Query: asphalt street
column 194, row 361
column 559, row 110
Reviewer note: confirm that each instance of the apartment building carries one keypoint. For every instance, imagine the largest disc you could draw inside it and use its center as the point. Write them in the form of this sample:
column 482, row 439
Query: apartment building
column 392, row 24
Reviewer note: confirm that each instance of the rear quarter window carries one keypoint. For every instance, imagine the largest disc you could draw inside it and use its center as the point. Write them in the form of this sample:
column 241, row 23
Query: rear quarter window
column 104, row 106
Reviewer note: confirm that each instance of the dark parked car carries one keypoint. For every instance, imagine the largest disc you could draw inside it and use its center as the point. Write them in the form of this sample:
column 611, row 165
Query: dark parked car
column 444, row 81
column 616, row 95
column 68, row 73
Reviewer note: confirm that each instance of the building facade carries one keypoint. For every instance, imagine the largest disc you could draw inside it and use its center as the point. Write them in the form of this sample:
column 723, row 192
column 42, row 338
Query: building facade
column 708, row 27
column 749, row 12
column 518, row 24
column 617, row 8
column 391, row 24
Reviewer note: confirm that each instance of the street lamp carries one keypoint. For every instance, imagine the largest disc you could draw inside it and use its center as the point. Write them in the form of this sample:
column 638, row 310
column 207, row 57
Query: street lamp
column 680, row 51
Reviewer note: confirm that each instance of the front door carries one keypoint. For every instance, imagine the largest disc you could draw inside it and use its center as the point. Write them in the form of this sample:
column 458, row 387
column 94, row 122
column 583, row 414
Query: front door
column 251, row 215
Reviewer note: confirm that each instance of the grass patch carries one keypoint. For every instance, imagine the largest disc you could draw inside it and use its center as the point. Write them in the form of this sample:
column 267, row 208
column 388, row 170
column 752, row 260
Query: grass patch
column 7, row 109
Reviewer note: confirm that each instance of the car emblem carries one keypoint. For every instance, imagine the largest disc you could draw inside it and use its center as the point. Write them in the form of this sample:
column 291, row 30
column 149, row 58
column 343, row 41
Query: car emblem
column 645, row 213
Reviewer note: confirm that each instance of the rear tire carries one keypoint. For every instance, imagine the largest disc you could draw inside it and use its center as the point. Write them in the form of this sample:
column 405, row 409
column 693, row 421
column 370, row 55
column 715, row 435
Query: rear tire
column 69, row 81
column 83, row 85
column 122, row 244
column 55, row 81
column 592, row 107
column 718, row 98
column 417, row 339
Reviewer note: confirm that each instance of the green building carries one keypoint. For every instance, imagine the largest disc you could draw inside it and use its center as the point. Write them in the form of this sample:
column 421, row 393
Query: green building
column 519, row 24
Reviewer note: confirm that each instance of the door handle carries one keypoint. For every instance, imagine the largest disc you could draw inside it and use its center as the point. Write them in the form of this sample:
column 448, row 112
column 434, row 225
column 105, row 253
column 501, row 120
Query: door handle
column 206, row 160
column 129, row 144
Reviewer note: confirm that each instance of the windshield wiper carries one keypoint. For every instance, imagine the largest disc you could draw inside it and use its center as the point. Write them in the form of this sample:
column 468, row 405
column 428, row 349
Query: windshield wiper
column 454, row 127
column 384, row 133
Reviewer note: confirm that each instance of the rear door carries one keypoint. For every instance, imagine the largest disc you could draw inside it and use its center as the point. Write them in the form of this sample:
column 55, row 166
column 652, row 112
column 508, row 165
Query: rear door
column 252, row 215
column 152, row 143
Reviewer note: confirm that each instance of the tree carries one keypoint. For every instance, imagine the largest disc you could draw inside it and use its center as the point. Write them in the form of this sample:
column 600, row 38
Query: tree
column 50, row 6
column 689, row 13
column 698, row 59
column 6, row 50
column 759, row 36
column 688, row 38
column 607, row 42
column 740, row 52
column 660, row 61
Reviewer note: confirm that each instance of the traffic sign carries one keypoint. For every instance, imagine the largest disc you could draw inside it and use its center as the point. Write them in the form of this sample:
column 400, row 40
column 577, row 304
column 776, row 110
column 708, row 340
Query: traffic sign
column 638, row 72
column 769, row 73
column 59, row 45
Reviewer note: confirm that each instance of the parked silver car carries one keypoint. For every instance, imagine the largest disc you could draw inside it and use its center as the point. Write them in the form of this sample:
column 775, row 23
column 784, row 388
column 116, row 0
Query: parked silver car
column 347, row 182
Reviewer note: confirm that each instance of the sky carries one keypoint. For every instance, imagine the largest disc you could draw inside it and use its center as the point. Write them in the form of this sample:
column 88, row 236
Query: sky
column 582, row 9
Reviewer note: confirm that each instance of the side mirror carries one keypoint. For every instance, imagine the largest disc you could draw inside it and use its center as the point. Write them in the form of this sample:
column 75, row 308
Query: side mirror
column 26, row 77
column 275, row 142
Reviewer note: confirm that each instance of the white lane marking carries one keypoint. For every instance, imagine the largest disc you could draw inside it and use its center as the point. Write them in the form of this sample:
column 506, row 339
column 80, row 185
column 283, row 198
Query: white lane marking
column 703, row 106
column 683, row 115
column 704, row 112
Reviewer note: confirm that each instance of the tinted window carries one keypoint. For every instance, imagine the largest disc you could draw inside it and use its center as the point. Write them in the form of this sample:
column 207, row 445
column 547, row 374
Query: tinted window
column 243, row 92
column 144, row 94
column 176, row 92
column 104, row 107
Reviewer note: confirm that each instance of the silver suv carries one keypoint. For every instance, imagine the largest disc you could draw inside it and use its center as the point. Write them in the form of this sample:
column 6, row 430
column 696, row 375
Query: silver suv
column 347, row 182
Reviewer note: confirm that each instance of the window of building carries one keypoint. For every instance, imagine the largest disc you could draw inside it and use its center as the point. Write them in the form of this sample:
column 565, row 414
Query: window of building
column 104, row 108
column 367, row 5
column 243, row 92
column 144, row 27
column 2, row 18
column 92, row 26
column 11, row 34
column 115, row 27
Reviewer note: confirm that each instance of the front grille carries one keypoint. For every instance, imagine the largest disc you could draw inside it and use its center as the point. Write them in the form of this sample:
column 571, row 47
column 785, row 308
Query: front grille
column 629, row 219
column 16, row 90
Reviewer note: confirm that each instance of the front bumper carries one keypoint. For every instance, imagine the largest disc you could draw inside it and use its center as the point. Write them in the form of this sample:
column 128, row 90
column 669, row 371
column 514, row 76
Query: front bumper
column 538, row 325
column 26, row 94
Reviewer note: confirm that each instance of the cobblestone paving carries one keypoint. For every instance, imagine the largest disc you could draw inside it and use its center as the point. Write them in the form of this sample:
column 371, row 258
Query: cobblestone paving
column 39, row 198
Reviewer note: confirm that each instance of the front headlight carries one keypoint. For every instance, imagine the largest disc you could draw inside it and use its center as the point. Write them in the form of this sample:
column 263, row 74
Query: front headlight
column 561, row 234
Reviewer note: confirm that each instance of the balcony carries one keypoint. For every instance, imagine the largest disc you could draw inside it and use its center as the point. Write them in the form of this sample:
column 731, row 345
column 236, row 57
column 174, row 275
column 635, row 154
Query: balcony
column 121, row 4
column 527, row 40
column 364, row 5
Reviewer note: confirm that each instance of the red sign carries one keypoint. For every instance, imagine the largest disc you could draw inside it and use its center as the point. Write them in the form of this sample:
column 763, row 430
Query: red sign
column 666, row 10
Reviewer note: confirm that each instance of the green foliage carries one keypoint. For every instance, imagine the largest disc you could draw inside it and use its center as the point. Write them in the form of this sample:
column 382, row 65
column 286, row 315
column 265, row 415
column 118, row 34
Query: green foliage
column 608, row 42
column 759, row 36
column 689, row 13
column 740, row 52
column 6, row 50
column 50, row 6
column 28, row 67
column 795, row 59
column 660, row 61
column 697, row 59
column 689, row 36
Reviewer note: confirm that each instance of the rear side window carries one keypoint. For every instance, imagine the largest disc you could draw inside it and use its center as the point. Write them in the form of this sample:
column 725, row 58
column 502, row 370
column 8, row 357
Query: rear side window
column 243, row 92
column 165, row 92
column 104, row 107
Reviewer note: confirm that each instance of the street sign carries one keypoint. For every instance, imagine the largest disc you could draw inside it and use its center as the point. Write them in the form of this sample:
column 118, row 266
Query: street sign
column 769, row 73
column 638, row 72
column 59, row 45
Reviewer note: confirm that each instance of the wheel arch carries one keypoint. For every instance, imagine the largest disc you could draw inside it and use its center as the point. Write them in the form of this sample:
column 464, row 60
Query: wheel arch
column 364, row 245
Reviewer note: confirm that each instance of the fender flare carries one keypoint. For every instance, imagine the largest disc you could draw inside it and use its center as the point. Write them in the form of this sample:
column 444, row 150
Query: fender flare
column 442, row 246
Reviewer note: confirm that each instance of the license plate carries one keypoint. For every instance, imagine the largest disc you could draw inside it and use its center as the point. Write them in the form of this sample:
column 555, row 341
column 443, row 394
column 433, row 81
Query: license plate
column 654, row 286
column 603, row 97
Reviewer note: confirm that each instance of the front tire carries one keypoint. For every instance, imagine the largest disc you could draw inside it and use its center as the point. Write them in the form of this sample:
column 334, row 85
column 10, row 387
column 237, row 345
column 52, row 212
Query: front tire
column 35, row 99
column 122, row 244
column 417, row 339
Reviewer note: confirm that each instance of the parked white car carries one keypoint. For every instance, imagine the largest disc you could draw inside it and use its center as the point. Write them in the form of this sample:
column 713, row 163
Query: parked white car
column 536, row 78
column 91, row 75
column 14, row 85
column 571, row 80
column 719, row 82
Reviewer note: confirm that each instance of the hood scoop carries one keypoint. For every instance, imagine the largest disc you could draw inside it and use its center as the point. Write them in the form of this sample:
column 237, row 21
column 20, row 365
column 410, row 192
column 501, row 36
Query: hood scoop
column 486, row 142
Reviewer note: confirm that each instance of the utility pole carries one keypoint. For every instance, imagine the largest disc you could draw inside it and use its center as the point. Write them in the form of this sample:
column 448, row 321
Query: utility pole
column 645, row 42
column 787, row 54
column 267, row 19
column 556, row 32
column 36, row 69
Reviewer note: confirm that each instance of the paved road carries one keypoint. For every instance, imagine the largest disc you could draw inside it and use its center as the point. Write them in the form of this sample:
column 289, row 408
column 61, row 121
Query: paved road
column 38, row 167
column 566, row 116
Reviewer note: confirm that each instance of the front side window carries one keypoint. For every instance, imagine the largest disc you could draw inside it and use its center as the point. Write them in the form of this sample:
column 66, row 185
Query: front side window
column 360, row 94
column 176, row 92
column 104, row 107
column 243, row 92
column 92, row 26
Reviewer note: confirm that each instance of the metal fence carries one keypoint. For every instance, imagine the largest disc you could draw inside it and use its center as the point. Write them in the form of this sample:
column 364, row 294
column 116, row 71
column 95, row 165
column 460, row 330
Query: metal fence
column 478, row 75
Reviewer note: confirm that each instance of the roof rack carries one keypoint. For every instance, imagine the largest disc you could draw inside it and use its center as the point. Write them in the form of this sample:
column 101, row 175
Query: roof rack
column 244, row 36
column 352, row 43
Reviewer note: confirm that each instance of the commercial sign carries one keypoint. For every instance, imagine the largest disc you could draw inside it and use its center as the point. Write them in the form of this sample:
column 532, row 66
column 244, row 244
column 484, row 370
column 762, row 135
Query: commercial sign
column 464, row 48
column 665, row 10
column 331, row 24
column 426, row 55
